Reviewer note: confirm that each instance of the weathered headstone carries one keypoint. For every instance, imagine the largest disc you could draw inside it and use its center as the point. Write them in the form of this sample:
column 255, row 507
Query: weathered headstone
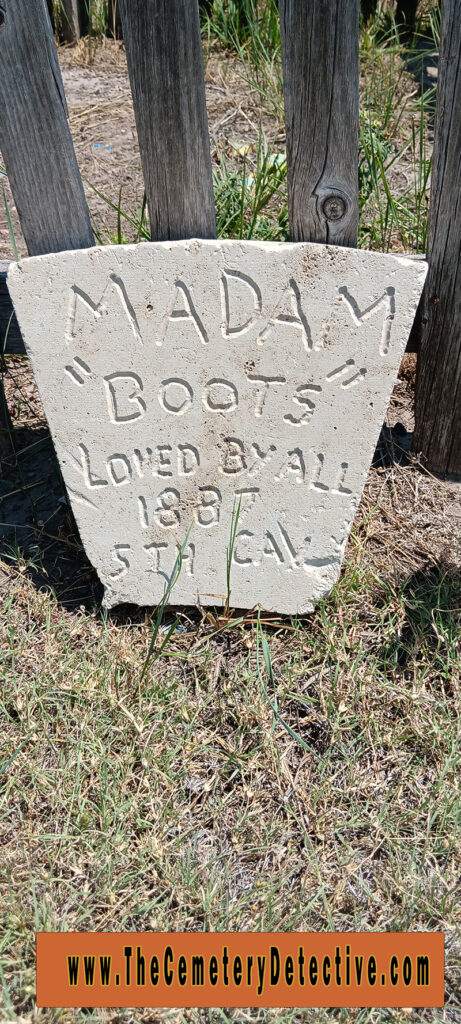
column 182, row 378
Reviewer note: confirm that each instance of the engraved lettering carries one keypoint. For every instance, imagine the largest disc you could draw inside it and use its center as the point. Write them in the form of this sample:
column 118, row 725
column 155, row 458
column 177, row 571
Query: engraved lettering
column 188, row 560
column 84, row 467
column 77, row 296
column 359, row 375
column 154, row 551
column 188, row 459
column 119, row 555
column 296, row 555
column 241, row 550
column 289, row 312
column 167, row 514
column 262, row 458
column 82, row 498
column 315, row 483
column 341, row 370
column 247, row 497
column 294, row 464
column 175, row 395
column 162, row 463
column 359, row 317
column 139, row 459
column 220, row 396
column 303, row 399
column 208, row 510
column 338, row 485
column 282, row 549
column 238, row 278
column 262, row 393
column 120, row 290
column 80, row 299
column 119, row 469
column 182, row 308
column 75, row 372
column 121, row 393
column 271, row 548
column 143, row 516
column 234, row 456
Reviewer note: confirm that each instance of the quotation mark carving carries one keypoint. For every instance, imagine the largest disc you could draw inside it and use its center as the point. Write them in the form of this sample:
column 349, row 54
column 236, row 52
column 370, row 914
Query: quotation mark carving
column 341, row 370
column 75, row 372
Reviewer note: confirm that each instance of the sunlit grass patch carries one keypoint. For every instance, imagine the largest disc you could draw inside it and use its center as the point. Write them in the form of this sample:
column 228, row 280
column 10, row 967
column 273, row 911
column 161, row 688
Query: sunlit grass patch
column 308, row 783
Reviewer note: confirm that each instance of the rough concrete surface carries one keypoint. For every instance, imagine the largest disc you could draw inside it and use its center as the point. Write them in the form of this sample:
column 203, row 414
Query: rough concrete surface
column 190, row 386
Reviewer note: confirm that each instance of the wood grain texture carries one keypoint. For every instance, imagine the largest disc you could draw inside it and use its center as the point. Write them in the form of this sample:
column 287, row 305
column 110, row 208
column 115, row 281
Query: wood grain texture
column 438, row 382
column 164, row 53
column 72, row 20
column 35, row 139
column 320, row 52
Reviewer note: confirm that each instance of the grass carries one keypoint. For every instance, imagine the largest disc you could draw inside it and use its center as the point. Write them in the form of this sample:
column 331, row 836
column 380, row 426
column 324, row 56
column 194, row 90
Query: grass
column 250, row 181
column 315, row 787
column 253, row 772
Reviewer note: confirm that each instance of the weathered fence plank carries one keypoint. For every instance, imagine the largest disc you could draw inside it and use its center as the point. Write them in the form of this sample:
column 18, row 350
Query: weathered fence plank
column 438, row 382
column 36, row 147
column 114, row 20
column 72, row 21
column 164, row 53
column 320, row 52
column 35, row 139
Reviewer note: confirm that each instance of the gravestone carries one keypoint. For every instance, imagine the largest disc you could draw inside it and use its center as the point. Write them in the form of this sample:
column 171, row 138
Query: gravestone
column 186, row 382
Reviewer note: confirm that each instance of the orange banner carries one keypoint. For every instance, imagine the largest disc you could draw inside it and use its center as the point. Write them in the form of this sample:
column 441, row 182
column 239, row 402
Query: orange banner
column 224, row 969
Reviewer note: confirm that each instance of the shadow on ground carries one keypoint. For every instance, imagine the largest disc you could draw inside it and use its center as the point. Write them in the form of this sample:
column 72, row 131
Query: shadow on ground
column 422, row 62
column 37, row 528
column 38, row 532
column 430, row 599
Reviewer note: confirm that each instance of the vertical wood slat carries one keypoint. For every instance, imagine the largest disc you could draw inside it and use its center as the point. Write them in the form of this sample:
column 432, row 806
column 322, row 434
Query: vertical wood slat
column 35, row 139
column 71, row 20
column 438, row 380
column 320, row 54
column 165, row 63
column 36, row 144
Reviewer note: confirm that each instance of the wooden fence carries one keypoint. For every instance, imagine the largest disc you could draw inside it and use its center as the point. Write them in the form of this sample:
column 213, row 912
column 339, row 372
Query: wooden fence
column 321, row 85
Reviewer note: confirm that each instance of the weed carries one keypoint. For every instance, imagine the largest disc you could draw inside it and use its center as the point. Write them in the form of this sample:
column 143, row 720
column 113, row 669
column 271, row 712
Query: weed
column 10, row 227
column 394, row 162
column 244, row 26
column 251, row 201
column 152, row 654
column 262, row 643
column 136, row 218
column 230, row 550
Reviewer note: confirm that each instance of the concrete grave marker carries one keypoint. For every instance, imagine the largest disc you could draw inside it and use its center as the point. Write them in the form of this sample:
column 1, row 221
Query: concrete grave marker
column 180, row 378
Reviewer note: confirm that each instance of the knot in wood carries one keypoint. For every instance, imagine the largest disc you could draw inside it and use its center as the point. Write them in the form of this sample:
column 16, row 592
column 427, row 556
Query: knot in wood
column 334, row 207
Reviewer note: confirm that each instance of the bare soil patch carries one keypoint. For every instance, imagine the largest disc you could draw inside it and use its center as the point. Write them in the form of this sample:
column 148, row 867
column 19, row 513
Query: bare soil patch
column 103, row 128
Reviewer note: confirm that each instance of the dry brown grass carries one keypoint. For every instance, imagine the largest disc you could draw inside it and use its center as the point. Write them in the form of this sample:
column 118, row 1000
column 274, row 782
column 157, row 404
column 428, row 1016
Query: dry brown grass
column 182, row 802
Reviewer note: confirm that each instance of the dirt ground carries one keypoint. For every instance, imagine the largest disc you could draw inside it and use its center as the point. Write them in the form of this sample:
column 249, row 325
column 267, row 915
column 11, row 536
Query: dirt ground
column 103, row 129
